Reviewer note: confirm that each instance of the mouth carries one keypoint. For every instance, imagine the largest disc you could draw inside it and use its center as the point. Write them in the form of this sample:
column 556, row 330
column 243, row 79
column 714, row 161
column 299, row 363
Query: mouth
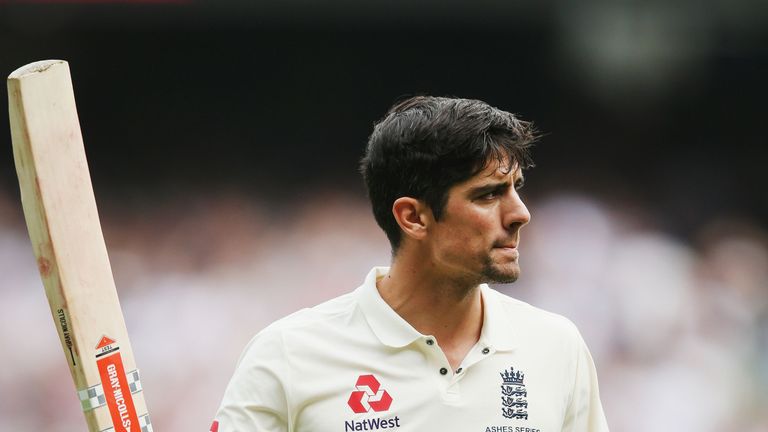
column 508, row 250
column 507, row 246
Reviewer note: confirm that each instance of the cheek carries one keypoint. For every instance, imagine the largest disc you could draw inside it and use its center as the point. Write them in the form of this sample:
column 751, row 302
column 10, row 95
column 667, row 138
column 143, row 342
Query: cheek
column 470, row 237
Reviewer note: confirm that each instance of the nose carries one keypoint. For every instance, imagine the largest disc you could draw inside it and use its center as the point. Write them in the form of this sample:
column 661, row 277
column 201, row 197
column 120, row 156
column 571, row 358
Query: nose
column 515, row 214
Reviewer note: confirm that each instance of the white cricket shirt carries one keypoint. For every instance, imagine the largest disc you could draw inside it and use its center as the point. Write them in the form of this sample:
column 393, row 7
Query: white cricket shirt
column 353, row 364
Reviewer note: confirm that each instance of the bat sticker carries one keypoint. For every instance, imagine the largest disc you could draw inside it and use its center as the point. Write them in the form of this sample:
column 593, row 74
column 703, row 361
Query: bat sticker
column 144, row 423
column 93, row 397
column 117, row 390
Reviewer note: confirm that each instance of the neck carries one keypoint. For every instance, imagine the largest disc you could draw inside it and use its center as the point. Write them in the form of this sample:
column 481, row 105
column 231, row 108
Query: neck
column 447, row 308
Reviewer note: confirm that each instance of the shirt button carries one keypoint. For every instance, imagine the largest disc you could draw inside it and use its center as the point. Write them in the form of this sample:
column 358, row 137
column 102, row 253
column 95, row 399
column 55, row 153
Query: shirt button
column 486, row 350
column 430, row 342
column 443, row 371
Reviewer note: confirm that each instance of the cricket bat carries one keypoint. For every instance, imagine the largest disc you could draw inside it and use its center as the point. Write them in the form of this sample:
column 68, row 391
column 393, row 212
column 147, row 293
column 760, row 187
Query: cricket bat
column 63, row 224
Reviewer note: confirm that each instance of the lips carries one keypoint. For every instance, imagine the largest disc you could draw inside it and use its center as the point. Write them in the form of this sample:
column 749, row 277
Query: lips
column 508, row 251
column 507, row 246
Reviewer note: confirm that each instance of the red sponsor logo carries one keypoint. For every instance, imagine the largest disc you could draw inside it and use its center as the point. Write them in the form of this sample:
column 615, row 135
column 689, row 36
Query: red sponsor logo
column 369, row 395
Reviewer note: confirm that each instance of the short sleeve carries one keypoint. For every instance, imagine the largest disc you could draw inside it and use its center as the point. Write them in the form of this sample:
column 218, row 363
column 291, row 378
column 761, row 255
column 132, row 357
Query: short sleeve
column 256, row 398
column 585, row 411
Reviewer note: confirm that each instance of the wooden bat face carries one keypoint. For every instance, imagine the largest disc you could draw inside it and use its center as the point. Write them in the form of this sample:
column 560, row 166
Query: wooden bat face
column 63, row 224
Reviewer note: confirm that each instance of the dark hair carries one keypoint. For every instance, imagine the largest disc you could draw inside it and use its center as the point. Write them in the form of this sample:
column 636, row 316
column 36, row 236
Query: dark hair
column 424, row 145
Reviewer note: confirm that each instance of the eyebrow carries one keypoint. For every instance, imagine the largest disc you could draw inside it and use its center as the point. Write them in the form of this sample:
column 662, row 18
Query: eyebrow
column 491, row 186
column 488, row 187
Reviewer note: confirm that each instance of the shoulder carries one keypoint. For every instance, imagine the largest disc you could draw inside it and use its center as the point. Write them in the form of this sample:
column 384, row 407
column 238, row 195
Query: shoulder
column 327, row 312
column 531, row 322
column 317, row 321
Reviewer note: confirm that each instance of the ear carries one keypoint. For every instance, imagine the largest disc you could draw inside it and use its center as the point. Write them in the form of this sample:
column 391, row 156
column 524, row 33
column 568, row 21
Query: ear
column 412, row 215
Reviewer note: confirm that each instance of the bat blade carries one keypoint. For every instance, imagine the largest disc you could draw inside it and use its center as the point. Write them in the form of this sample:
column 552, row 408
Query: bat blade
column 63, row 224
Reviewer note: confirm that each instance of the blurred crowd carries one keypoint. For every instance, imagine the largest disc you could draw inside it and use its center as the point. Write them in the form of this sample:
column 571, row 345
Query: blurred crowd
column 678, row 327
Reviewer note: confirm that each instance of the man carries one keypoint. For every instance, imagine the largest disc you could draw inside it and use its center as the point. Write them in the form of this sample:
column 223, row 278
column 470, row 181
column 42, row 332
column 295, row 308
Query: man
column 426, row 345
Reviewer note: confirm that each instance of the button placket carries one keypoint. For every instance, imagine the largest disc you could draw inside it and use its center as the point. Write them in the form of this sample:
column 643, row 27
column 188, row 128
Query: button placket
column 446, row 378
column 453, row 391
column 433, row 350
column 478, row 354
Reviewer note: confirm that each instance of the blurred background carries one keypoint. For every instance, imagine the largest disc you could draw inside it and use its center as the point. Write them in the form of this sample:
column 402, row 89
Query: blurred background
column 223, row 141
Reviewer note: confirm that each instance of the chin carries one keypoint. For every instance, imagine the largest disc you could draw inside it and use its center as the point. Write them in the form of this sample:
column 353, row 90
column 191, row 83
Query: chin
column 502, row 275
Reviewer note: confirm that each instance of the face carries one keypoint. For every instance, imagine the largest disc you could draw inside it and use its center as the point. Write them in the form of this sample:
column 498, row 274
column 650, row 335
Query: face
column 479, row 232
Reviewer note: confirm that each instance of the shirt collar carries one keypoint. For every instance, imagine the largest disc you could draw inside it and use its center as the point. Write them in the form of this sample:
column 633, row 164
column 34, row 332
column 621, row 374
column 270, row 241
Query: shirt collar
column 392, row 330
column 498, row 331
column 388, row 326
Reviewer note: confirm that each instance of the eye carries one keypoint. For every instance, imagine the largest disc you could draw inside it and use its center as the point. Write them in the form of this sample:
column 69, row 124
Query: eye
column 494, row 193
column 489, row 195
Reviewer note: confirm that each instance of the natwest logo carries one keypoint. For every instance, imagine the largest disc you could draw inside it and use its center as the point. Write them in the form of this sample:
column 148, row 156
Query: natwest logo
column 369, row 396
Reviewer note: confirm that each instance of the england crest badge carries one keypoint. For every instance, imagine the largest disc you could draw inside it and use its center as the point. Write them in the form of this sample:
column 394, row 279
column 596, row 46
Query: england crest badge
column 514, row 403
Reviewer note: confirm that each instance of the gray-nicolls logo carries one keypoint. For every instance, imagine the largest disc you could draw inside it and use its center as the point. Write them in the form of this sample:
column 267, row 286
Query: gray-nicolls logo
column 513, row 394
